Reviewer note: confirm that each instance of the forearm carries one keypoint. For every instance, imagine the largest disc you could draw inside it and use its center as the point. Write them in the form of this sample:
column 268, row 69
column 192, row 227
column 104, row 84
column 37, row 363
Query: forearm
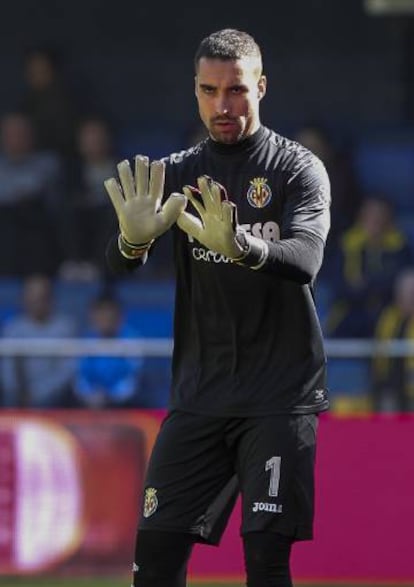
column 298, row 258
column 118, row 264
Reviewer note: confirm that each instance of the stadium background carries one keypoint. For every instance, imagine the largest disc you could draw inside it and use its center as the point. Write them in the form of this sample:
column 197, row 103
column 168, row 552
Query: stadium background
column 328, row 63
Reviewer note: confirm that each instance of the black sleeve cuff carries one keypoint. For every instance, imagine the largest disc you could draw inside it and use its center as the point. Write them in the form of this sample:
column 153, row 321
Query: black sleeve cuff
column 255, row 250
column 117, row 264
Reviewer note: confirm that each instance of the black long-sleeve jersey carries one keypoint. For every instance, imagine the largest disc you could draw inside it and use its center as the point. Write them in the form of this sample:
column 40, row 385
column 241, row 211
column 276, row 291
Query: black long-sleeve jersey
column 248, row 342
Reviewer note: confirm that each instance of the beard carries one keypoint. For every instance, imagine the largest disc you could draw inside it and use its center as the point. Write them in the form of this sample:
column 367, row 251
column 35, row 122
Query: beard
column 226, row 130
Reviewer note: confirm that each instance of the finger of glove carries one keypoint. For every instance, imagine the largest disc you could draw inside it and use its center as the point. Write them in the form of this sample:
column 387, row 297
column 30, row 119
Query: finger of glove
column 205, row 184
column 219, row 195
column 229, row 212
column 191, row 225
column 156, row 182
column 172, row 209
column 141, row 175
column 193, row 196
column 114, row 192
column 126, row 179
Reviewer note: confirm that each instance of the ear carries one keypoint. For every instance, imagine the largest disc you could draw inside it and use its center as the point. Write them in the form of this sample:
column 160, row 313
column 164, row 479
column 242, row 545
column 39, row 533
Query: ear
column 195, row 86
column 261, row 86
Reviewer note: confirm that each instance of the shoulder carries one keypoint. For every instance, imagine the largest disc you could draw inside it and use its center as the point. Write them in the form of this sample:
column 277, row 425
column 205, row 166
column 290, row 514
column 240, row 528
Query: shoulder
column 294, row 157
column 180, row 158
column 128, row 331
column 179, row 166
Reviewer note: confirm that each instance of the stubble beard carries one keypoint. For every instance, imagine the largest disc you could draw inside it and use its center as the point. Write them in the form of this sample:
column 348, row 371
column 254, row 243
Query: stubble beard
column 227, row 138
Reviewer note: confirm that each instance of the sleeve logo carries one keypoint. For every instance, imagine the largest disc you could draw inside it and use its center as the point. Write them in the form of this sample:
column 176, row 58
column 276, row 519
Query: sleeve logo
column 259, row 193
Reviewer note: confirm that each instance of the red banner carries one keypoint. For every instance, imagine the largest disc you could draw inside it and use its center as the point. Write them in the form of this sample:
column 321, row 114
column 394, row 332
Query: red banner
column 71, row 485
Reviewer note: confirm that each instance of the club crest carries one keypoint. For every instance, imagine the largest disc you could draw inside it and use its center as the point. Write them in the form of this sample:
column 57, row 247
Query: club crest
column 150, row 502
column 259, row 193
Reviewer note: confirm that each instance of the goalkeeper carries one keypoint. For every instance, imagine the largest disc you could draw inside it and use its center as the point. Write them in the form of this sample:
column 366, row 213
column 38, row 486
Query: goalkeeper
column 250, row 214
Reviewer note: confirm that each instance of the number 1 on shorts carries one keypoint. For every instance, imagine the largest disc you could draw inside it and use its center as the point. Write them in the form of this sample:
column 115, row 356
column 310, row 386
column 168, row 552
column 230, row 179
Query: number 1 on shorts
column 273, row 465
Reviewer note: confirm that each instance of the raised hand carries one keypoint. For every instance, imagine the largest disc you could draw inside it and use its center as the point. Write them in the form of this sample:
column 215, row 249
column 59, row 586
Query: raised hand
column 137, row 201
column 216, row 226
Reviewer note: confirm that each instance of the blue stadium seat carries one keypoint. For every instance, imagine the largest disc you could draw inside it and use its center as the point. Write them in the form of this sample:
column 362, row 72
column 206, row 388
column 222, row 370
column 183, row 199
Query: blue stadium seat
column 323, row 299
column 349, row 376
column 406, row 223
column 146, row 293
column 150, row 322
column 155, row 384
column 10, row 298
column 148, row 306
column 387, row 167
column 74, row 298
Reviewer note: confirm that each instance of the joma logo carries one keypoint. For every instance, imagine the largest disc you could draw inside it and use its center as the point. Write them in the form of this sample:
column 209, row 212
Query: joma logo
column 260, row 506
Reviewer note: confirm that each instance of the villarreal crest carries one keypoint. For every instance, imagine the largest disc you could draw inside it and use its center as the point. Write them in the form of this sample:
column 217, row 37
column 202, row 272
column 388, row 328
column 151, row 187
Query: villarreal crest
column 259, row 193
column 150, row 501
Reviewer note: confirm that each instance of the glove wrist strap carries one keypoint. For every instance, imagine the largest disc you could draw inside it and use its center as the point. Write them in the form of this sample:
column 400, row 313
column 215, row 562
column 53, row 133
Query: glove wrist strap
column 255, row 251
column 130, row 250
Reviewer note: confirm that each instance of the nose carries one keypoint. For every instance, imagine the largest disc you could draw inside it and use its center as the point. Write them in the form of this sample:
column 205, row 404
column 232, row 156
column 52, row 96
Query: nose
column 221, row 105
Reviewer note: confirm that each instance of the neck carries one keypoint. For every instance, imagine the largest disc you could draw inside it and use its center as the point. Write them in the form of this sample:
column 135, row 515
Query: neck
column 243, row 145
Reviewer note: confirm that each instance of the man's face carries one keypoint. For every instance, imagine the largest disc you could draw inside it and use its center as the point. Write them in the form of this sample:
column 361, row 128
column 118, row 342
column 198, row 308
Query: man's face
column 93, row 142
column 106, row 319
column 228, row 95
column 38, row 298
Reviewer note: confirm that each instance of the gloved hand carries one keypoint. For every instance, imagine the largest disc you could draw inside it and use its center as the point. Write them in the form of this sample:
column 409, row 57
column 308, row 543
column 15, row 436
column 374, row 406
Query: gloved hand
column 137, row 203
column 217, row 226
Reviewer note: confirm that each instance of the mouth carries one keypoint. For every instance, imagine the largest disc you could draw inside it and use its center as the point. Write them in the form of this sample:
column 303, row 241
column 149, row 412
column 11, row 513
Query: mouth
column 225, row 124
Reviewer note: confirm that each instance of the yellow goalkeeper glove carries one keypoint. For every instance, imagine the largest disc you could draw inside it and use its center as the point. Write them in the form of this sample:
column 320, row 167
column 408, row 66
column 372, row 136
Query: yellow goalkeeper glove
column 137, row 203
column 217, row 227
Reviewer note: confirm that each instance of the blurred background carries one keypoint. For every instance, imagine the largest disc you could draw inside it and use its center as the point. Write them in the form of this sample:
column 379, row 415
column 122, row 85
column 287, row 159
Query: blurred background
column 85, row 357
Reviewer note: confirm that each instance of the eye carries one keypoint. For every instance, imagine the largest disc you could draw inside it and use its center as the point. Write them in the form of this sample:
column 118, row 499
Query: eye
column 207, row 90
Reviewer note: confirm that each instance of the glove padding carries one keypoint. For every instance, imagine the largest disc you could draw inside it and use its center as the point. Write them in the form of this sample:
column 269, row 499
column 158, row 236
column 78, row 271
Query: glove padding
column 216, row 228
column 137, row 202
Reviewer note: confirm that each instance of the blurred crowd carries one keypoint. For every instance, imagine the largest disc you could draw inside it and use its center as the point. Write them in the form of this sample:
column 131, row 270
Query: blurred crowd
column 56, row 219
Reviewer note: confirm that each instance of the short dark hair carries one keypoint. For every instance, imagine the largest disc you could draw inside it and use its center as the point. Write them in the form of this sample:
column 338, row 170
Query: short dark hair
column 227, row 45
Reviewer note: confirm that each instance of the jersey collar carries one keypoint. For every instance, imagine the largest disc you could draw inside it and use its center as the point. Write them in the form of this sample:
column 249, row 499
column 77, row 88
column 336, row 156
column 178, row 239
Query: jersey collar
column 243, row 146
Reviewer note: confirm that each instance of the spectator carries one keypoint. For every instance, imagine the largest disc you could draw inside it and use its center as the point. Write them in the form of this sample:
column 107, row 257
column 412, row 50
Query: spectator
column 48, row 102
column 369, row 256
column 393, row 377
column 38, row 381
column 108, row 381
column 89, row 202
column 30, row 202
column 346, row 192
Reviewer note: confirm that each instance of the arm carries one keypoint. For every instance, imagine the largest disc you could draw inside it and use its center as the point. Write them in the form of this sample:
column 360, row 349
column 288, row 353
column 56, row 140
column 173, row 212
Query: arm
column 297, row 259
column 305, row 224
column 116, row 261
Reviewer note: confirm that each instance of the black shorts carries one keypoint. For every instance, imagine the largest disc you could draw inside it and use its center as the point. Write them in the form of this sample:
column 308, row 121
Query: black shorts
column 200, row 464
